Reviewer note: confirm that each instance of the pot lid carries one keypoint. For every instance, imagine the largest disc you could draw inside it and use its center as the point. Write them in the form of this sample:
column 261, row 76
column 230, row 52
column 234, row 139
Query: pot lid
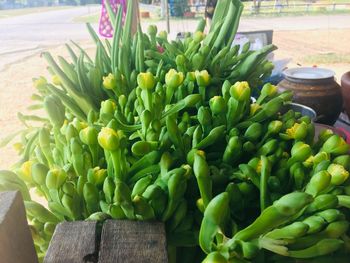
column 309, row 73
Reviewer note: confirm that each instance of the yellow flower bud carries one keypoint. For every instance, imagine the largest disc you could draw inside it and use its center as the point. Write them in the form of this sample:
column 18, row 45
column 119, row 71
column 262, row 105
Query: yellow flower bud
column 240, row 91
column 191, row 76
column 203, row 78
column 338, row 173
column 108, row 106
column 254, row 107
column 108, row 139
column 56, row 80
column 25, row 172
column 269, row 90
column 146, row 81
column 198, row 36
column 18, row 146
column 40, row 83
column 110, row 82
column 174, row 79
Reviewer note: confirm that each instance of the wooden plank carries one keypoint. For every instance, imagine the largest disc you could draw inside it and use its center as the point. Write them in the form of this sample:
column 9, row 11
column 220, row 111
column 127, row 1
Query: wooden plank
column 133, row 242
column 73, row 242
column 16, row 243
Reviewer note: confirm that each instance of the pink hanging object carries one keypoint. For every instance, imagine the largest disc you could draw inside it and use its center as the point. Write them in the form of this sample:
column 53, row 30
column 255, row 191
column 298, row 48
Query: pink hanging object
column 105, row 27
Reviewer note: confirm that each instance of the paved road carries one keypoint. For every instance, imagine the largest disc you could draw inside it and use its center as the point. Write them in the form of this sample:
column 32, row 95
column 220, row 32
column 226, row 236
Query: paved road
column 24, row 35
column 21, row 36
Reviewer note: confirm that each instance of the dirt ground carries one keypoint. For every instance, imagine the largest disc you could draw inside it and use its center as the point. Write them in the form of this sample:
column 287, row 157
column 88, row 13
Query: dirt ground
column 16, row 80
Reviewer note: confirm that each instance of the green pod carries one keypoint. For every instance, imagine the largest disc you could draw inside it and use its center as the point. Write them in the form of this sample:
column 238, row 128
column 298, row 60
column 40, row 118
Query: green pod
column 322, row 166
column 249, row 147
column 44, row 142
column 141, row 185
column 91, row 197
column 319, row 157
column 55, row 178
column 174, row 133
column 318, row 182
column 335, row 145
column 116, row 212
column 70, row 132
column 315, row 223
column 214, row 135
column 233, row 150
column 141, row 148
column 197, row 136
column 343, row 160
column 330, row 215
column 72, row 205
column 323, row 247
column 39, row 173
column 146, row 160
column 143, row 208
column 215, row 216
column 122, row 196
column 275, row 215
column 177, row 186
column 36, row 210
column 322, row 202
column 292, row 231
column 108, row 189
column 269, row 147
column 178, row 215
column 55, row 110
column 204, row 181
column 254, row 132
column 98, row 216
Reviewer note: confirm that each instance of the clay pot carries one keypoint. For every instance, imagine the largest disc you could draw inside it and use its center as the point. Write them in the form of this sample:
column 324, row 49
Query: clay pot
column 345, row 87
column 317, row 89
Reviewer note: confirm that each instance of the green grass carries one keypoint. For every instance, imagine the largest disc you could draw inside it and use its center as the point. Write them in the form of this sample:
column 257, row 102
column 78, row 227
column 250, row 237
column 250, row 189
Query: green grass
column 320, row 7
column 327, row 58
column 26, row 11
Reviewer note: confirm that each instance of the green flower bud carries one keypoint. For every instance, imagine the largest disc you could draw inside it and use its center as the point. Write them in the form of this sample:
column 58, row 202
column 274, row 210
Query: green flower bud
column 97, row 176
column 325, row 135
column 269, row 90
column 292, row 203
column 39, row 173
column 204, row 116
column 174, row 79
column 319, row 182
column 55, row 178
column 254, row 107
column 152, row 30
column 191, row 76
column 217, row 105
column 56, row 80
column 108, row 107
column 88, row 135
column 338, row 173
column 163, row 35
column 71, row 132
column 343, row 160
column 146, row 80
column 274, row 127
column 254, row 131
column 322, row 202
column 240, row 91
column 198, row 36
column 25, row 172
column 203, row 78
column 319, row 157
column 297, row 131
column 335, row 145
column 108, row 139
column 110, row 82
column 180, row 60
column 301, row 151
column 40, row 83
